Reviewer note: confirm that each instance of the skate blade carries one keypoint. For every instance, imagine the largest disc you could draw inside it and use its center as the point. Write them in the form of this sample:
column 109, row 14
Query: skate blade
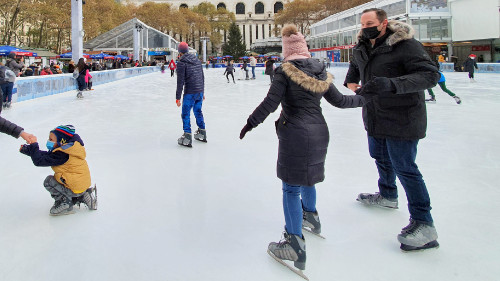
column 376, row 205
column 313, row 233
column 295, row 270
column 431, row 245
column 94, row 190
column 63, row 214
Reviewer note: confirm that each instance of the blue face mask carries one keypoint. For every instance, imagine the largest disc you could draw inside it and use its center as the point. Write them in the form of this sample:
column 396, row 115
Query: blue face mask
column 50, row 145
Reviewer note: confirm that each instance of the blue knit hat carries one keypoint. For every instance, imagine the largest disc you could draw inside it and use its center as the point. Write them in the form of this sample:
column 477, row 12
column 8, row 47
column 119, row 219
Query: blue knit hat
column 183, row 47
column 63, row 133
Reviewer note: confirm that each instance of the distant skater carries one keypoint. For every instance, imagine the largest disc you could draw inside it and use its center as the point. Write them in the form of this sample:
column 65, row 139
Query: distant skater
column 442, row 84
column 469, row 66
column 229, row 71
column 190, row 78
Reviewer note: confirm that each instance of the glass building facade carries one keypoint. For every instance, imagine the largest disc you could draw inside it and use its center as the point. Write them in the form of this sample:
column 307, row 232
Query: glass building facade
column 334, row 36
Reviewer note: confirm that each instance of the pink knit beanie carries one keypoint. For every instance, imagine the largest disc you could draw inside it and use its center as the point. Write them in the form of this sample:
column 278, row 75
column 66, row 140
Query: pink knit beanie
column 294, row 43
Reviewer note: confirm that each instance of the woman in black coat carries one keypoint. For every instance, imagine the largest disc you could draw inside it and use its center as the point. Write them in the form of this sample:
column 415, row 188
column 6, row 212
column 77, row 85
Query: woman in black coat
column 270, row 69
column 81, row 68
column 299, row 85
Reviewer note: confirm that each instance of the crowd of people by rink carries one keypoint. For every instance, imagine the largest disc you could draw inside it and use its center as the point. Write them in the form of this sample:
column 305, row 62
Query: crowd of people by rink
column 388, row 75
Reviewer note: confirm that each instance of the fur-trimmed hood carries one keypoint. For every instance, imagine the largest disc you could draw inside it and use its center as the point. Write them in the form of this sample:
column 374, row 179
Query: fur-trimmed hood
column 309, row 74
column 401, row 31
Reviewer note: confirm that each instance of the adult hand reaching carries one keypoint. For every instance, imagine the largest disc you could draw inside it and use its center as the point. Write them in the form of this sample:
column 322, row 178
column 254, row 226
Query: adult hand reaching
column 29, row 138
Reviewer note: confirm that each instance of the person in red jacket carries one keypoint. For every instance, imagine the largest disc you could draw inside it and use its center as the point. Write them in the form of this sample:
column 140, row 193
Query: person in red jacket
column 46, row 71
column 172, row 67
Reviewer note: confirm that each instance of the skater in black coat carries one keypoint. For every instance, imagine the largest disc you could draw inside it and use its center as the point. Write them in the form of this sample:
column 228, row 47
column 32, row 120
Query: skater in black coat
column 395, row 70
column 469, row 66
column 299, row 85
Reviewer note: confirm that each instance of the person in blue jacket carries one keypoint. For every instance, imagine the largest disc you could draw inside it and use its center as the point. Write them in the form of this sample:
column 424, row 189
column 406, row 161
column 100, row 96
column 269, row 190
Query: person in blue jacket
column 190, row 78
column 442, row 84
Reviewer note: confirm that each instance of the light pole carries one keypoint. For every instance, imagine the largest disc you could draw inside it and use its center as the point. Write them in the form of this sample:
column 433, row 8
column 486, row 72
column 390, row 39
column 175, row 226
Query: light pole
column 76, row 30
column 204, row 41
column 137, row 44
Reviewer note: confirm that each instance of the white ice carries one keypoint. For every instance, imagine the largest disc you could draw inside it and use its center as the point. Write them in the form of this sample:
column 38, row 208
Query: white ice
column 168, row 212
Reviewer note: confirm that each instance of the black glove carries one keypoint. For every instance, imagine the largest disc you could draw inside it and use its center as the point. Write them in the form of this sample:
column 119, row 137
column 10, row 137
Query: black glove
column 377, row 86
column 245, row 129
column 25, row 149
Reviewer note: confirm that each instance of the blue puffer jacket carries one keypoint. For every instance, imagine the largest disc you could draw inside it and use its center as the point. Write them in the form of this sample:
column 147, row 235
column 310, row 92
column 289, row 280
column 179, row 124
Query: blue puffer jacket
column 189, row 76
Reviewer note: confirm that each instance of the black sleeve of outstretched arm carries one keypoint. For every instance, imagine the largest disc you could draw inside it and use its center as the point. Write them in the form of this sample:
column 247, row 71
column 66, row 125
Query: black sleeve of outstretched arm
column 337, row 99
column 10, row 128
column 270, row 102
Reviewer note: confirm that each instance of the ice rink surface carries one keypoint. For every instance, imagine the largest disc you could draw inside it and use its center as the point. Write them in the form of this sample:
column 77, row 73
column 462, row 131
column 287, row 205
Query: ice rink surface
column 168, row 212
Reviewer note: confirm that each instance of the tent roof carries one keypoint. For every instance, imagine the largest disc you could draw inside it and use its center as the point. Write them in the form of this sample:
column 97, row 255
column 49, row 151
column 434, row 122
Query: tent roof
column 122, row 37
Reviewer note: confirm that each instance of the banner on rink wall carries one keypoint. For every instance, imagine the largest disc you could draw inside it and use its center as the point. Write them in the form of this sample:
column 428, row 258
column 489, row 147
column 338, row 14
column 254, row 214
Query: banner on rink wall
column 27, row 88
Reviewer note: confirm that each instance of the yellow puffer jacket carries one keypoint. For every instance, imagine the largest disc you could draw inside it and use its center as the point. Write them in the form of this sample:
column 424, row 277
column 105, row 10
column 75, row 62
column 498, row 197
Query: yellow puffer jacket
column 75, row 173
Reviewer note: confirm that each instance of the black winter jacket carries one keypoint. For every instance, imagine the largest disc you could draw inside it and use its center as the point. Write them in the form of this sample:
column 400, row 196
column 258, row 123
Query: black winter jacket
column 303, row 135
column 400, row 114
column 9, row 128
column 189, row 76
column 469, row 65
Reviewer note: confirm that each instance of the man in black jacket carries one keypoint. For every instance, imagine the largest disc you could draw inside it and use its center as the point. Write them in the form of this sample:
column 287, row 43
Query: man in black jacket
column 394, row 70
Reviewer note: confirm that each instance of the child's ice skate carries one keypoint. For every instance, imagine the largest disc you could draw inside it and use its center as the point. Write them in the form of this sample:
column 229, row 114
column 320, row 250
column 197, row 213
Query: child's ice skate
column 89, row 198
column 79, row 95
column 457, row 99
column 62, row 206
column 185, row 140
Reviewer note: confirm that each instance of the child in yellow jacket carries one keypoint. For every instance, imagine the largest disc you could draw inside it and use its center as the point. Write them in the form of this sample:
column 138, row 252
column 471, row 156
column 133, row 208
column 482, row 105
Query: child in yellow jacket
column 70, row 183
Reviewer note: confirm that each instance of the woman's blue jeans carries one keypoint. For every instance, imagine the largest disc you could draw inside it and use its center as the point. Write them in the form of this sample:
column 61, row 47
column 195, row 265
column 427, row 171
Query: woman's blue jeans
column 293, row 205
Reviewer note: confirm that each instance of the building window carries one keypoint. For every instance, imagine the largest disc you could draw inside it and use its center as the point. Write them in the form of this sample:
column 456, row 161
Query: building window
column 244, row 33
column 221, row 6
column 240, row 9
column 278, row 6
column 259, row 8
column 183, row 6
column 263, row 33
column 419, row 6
column 256, row 32
column 270, row 28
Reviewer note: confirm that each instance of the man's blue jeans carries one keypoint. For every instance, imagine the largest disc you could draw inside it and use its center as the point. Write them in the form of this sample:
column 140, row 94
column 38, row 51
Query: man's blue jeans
column 397, row 158
column 192, row 101
column 253, row 71
column 7, row 91
column 292, row 205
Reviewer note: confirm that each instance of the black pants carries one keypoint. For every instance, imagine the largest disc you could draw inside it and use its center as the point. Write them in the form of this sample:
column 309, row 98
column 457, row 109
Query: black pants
column 471, row 74
column 227, row 76
column 172, row 72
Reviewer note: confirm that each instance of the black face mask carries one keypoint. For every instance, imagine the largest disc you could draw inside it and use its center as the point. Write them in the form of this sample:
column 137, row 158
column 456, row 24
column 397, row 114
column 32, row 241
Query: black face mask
column 370, row 32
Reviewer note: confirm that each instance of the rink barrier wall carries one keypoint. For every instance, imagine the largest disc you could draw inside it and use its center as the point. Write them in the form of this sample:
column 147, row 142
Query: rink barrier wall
column 27, row 88
column 449, row 67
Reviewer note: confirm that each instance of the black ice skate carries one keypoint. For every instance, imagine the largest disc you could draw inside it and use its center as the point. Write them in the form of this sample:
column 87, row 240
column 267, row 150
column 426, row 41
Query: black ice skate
column 201, row 135
column 311, row 223
column 79, row 95
column 431, row 100
column 418, row 236
column 185, row 140
column 292, row 248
